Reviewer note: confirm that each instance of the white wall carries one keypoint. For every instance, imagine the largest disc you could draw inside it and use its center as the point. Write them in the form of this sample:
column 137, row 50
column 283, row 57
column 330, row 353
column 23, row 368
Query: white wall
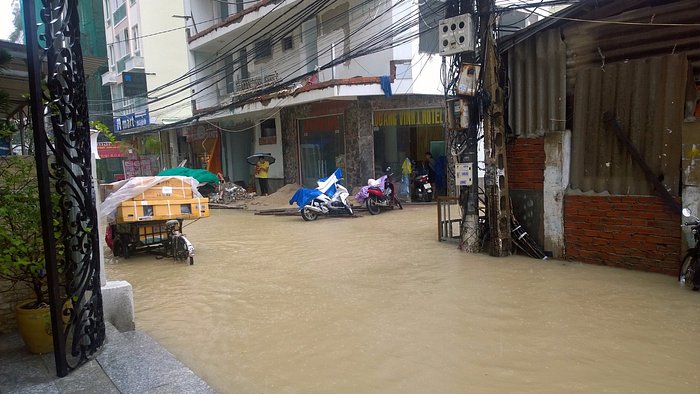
column 364, row 22
column 277, row 169
column 202, row 11
column 205, row 95
column 166, row 61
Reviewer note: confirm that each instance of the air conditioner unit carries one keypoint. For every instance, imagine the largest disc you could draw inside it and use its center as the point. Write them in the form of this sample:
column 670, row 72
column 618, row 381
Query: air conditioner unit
column 456, row 35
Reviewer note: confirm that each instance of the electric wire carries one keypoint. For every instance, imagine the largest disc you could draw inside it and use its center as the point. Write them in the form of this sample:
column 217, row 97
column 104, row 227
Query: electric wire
column 369, row 46
column 185, row 98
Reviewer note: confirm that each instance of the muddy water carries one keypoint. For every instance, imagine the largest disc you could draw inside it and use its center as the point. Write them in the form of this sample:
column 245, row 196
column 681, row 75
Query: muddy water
column 376, row 304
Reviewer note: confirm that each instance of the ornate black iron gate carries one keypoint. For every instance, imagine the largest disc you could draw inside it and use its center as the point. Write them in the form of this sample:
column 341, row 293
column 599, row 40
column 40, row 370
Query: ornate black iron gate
column 68, row 214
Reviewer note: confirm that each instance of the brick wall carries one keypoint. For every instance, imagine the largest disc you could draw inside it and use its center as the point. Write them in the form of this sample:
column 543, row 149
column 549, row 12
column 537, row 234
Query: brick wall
column 636, row 232
column 8, row 302
column 526, row 163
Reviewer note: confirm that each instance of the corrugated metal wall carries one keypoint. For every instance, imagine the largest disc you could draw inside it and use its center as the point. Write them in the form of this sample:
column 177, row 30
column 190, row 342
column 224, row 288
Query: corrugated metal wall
column 648, row 97
column 538, row 85
column 596, row 44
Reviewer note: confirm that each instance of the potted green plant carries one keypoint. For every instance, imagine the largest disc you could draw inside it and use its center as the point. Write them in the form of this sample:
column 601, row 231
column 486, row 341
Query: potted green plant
column 22, row 263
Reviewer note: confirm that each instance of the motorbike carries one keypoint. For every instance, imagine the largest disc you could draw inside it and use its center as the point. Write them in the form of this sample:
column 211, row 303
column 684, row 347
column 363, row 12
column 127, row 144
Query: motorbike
column 422, row 189
column 330, row 198
column 379, row 193
column 689, row 274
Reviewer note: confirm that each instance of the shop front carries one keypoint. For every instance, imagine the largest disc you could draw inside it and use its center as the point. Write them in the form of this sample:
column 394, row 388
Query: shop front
column 321, row 147
column 201, row 140
column 408, row 133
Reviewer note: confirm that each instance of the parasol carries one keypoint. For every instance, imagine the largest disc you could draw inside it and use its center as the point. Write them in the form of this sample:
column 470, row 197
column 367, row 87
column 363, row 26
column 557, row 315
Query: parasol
column 253, row 159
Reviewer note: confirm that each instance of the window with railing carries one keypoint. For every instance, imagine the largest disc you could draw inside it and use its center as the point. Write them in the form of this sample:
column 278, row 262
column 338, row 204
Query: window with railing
column 108, row 11
column 223, row 10
column 121, row 63
column 111, row 55
column 120, row 13
column 287, row 43
column 263, row 49
column 136, row 38
column 127, row 42
column 228, row 69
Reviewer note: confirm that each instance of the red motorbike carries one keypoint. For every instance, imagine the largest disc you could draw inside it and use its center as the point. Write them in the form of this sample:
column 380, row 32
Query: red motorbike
column 382, row 195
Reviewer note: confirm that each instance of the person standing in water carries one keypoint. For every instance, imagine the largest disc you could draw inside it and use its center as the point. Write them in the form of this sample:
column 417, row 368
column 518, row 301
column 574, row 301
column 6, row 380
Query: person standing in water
column 262, row 168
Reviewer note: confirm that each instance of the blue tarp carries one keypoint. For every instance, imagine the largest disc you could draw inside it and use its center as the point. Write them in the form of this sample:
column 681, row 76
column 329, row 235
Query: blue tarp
column 325, row 185
column 303, row 196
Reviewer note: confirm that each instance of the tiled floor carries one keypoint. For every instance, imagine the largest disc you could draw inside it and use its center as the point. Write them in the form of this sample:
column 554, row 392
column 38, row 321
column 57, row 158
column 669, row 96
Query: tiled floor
column 130, row 362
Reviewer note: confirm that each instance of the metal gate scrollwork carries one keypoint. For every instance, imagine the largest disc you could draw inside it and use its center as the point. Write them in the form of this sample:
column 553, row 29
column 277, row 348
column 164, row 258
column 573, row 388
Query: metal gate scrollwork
column 67, row 198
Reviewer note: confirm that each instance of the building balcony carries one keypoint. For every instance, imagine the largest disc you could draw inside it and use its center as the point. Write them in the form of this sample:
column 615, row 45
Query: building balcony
column 214, row 32
column 109, row 78
column 252, row 85
column 134, row 63
column 255, row 83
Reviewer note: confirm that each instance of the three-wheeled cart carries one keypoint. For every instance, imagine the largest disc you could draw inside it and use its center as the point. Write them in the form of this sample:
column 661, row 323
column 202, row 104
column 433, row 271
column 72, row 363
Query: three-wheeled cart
column 130, row 238
column 149, row 212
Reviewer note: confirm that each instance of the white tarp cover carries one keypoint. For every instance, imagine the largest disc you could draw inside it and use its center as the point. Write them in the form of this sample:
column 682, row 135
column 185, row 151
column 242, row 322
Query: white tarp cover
column 126, row 190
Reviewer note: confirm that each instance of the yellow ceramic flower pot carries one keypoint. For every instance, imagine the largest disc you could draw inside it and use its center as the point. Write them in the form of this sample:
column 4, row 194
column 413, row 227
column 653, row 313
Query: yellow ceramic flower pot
column 35, row 328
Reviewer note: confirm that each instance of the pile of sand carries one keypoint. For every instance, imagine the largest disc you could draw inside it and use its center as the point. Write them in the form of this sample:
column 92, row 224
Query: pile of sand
column 280, row 199
column 276, row 200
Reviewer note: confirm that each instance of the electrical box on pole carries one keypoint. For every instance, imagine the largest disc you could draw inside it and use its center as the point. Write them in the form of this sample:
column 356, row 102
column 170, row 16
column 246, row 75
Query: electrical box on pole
column 468, row 79
column 456, row 35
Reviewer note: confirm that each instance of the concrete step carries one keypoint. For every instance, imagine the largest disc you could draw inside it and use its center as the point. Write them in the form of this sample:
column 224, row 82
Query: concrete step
column 130, row 362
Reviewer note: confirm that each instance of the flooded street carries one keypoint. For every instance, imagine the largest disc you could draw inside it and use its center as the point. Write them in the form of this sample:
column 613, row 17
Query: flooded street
column 376, row 304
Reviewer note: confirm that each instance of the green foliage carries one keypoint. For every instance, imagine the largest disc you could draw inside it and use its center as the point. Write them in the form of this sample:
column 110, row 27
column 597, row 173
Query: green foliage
column 151, row 145
column 7, row 129
column 102, row 128
column 21, row 246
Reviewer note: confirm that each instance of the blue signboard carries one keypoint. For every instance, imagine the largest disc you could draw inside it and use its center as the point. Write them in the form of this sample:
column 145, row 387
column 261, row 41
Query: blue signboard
column 130, row 121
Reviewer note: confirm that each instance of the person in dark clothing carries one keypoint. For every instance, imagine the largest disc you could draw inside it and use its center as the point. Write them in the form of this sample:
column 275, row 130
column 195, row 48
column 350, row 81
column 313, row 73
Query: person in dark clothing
column 430, row 165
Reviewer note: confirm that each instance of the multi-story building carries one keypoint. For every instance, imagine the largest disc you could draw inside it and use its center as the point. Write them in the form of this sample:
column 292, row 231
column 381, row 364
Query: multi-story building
column 319, row 84
column 147, row 51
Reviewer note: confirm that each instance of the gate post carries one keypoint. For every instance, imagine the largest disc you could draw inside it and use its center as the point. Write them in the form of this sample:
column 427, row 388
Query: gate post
column 67, row 198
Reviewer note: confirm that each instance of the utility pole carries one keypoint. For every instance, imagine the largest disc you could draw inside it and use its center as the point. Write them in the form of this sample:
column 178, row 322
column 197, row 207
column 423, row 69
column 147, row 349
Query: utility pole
column 462, row 124
column 477, row 101
column 496, row 177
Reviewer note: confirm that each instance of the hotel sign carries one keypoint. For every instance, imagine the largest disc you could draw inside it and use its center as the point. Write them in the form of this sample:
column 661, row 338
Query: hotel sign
column 408, row 117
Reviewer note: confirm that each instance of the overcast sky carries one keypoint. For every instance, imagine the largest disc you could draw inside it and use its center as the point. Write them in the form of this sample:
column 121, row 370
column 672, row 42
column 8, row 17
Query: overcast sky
column 5, row 19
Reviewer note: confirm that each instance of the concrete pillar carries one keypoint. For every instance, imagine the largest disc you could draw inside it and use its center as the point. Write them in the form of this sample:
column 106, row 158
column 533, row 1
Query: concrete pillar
column 557, row 148
column 117, row 296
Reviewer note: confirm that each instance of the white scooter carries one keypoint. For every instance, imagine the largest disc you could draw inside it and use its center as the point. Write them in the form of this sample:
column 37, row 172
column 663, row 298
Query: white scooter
column 329, row 198
column 336, row 205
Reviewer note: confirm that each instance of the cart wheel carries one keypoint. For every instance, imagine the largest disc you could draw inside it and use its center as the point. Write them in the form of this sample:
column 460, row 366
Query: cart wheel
column 191, row 260
column 117, row 248
column 180, row 250
column 125, row 249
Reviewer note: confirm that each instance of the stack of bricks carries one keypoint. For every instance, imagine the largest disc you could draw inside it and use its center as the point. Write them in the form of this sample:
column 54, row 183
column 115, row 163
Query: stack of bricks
column 635, row 232
column 526, row 162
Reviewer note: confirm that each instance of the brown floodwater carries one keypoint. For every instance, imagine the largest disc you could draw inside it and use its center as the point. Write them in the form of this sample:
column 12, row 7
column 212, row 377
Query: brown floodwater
column 376, row 304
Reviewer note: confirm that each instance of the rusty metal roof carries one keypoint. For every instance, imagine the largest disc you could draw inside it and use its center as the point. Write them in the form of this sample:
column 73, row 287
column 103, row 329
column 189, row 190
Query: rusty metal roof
column 593, row 24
